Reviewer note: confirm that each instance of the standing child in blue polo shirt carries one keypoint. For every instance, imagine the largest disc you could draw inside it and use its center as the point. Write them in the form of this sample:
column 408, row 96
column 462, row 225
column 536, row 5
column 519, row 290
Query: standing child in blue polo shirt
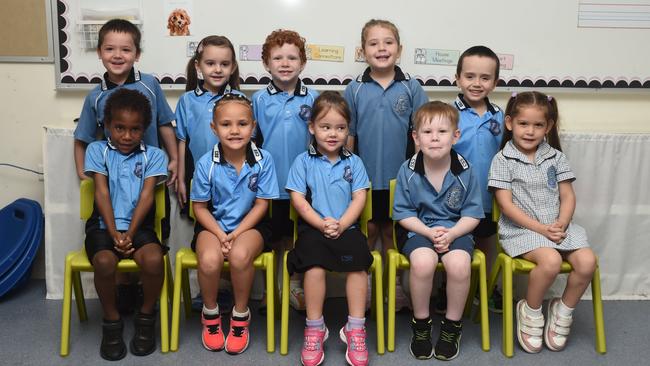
column 328, row 187
column 282, row 111
column 118, row 47
column 231, row 190
column 438, row 200
column 481, row 130
column 125, row 171
column 211, row 73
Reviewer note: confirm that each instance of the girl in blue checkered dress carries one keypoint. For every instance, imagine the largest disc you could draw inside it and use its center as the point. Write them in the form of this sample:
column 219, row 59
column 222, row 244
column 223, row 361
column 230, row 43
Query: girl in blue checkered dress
column 531, row 180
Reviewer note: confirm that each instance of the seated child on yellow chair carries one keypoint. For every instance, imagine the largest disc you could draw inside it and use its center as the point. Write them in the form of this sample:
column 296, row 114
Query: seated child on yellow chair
column 438, row 203
column 531, row 180
column 125, row 171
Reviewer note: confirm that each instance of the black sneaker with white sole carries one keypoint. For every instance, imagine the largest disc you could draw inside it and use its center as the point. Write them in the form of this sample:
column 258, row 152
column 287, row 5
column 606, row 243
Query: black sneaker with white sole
column 421, row 345
column 448, row 345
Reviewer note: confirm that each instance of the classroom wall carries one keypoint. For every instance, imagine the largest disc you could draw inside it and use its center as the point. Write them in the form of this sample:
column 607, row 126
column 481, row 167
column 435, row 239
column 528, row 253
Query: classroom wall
column 30, row 101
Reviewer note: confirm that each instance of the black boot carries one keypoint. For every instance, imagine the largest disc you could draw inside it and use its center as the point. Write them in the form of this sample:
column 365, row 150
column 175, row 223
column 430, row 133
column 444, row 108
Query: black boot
column 113, row 347
column 144, row 338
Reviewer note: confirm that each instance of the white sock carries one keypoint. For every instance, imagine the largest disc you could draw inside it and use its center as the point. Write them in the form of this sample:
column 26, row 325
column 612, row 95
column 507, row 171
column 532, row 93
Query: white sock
column 214, row 311
column 533, row 313
column 243, row 315
column 563, row 310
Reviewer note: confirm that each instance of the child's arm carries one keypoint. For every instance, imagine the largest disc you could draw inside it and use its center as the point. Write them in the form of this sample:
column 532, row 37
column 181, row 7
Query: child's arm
column 445, row 237
column 79, row 156
column 168, row 137
column 181, row 190
column 567, row 204
column 519, row 217
column 351, row 214
column 414, row 224
column 204, row 217
column 105, row 208
column 142, row 208
column 307, row 212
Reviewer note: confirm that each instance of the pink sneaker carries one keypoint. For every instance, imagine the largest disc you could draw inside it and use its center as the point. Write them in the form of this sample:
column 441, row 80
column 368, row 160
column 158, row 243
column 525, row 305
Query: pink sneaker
column 312, row 347
column 357, row 352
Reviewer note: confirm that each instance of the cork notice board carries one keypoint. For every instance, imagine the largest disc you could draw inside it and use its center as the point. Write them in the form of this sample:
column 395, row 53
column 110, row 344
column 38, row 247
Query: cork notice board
column 26, row 32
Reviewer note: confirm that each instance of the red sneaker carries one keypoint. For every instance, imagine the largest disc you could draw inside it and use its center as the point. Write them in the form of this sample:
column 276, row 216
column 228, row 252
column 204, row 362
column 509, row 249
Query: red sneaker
column 357, row 352
column 238, row 338
column 212, row 334
column 312, row 347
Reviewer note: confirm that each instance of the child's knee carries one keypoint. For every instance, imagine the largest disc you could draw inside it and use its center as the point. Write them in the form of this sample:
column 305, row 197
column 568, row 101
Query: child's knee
column 422, row 267
column 458, row 271
column 240, row 259
column 211, row 262
column 105, row 263
column 585, row 263
column 551, row 263
column 152, row 263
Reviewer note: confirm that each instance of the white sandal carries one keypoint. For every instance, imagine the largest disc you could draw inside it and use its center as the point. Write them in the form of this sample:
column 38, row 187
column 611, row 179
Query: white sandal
column 557, row 328
column 529, row 329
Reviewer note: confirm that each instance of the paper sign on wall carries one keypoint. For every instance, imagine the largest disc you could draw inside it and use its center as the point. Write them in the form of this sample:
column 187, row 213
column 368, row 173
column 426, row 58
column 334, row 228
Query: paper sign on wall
column 325, row 53
column 428, row 56
column 250, row 52
column 506, row 61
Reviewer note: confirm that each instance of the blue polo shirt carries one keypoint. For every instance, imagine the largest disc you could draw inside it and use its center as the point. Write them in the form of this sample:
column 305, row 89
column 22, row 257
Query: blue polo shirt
column 480, row 140
column 328, row 186
column 232, row 196
column 380, row 119
column 282, row 120
column 459, row 196
column 193, row 117
column 91, row 121
column 126, row 175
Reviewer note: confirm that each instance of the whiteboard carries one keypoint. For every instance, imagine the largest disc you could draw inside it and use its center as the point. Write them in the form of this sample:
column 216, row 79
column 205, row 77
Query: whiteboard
column 547, row 46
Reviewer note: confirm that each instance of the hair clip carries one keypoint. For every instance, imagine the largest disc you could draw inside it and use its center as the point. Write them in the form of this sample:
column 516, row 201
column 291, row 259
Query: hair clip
column 199, row 48
column 550, row 98
column 233, row 96
column 513, row 95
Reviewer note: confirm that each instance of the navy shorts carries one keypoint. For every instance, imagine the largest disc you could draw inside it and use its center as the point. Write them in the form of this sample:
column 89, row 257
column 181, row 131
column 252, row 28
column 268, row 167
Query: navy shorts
column 281, row 225
column 380, row 204
column 99, row 239
column 486, row 227
column 465, row 243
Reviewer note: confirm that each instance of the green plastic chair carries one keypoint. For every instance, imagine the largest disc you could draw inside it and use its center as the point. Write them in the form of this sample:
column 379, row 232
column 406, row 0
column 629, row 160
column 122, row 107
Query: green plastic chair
column 77, row 261
column 377, row 304
column 396, row 261
column 509, row 266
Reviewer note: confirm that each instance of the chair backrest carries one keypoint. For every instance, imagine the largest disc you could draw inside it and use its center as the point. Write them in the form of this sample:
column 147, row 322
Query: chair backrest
column 87, row 201
column 366, row 215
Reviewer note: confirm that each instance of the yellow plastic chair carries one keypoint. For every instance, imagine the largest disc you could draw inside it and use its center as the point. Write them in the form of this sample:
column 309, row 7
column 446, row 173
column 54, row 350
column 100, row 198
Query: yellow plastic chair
column 396, row 261
column 377, row 304
column 509, row 266
column 77, row 261
column 186, row 260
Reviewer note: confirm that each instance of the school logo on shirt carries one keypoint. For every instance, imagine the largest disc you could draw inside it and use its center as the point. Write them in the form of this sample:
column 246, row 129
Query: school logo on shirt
column 252, row 182
column 454, row 197
column 347, row 174
column 495, row 128
column 551, row 173
column 402, row 104
column 137, row 171
column 305, row 112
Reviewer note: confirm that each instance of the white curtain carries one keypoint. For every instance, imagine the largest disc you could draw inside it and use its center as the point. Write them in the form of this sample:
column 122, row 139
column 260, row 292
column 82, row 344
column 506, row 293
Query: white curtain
column 613, row 176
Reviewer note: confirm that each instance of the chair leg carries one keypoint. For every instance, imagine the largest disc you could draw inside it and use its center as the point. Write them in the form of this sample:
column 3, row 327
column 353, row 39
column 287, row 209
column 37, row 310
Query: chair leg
column 379, row 300
column 176, row 302
column 79, row 296
column 284, row 326
column 373, row 307
column 599, row 322
column 164, row 309
column 508, row 335
column 483, row 302
column 187, row 295
column 392, row 275
column 270, row 302
column 66, row 308
column 473, row 284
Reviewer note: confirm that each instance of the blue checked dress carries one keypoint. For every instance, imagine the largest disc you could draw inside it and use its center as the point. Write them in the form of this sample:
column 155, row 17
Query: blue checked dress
column 535, row 190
